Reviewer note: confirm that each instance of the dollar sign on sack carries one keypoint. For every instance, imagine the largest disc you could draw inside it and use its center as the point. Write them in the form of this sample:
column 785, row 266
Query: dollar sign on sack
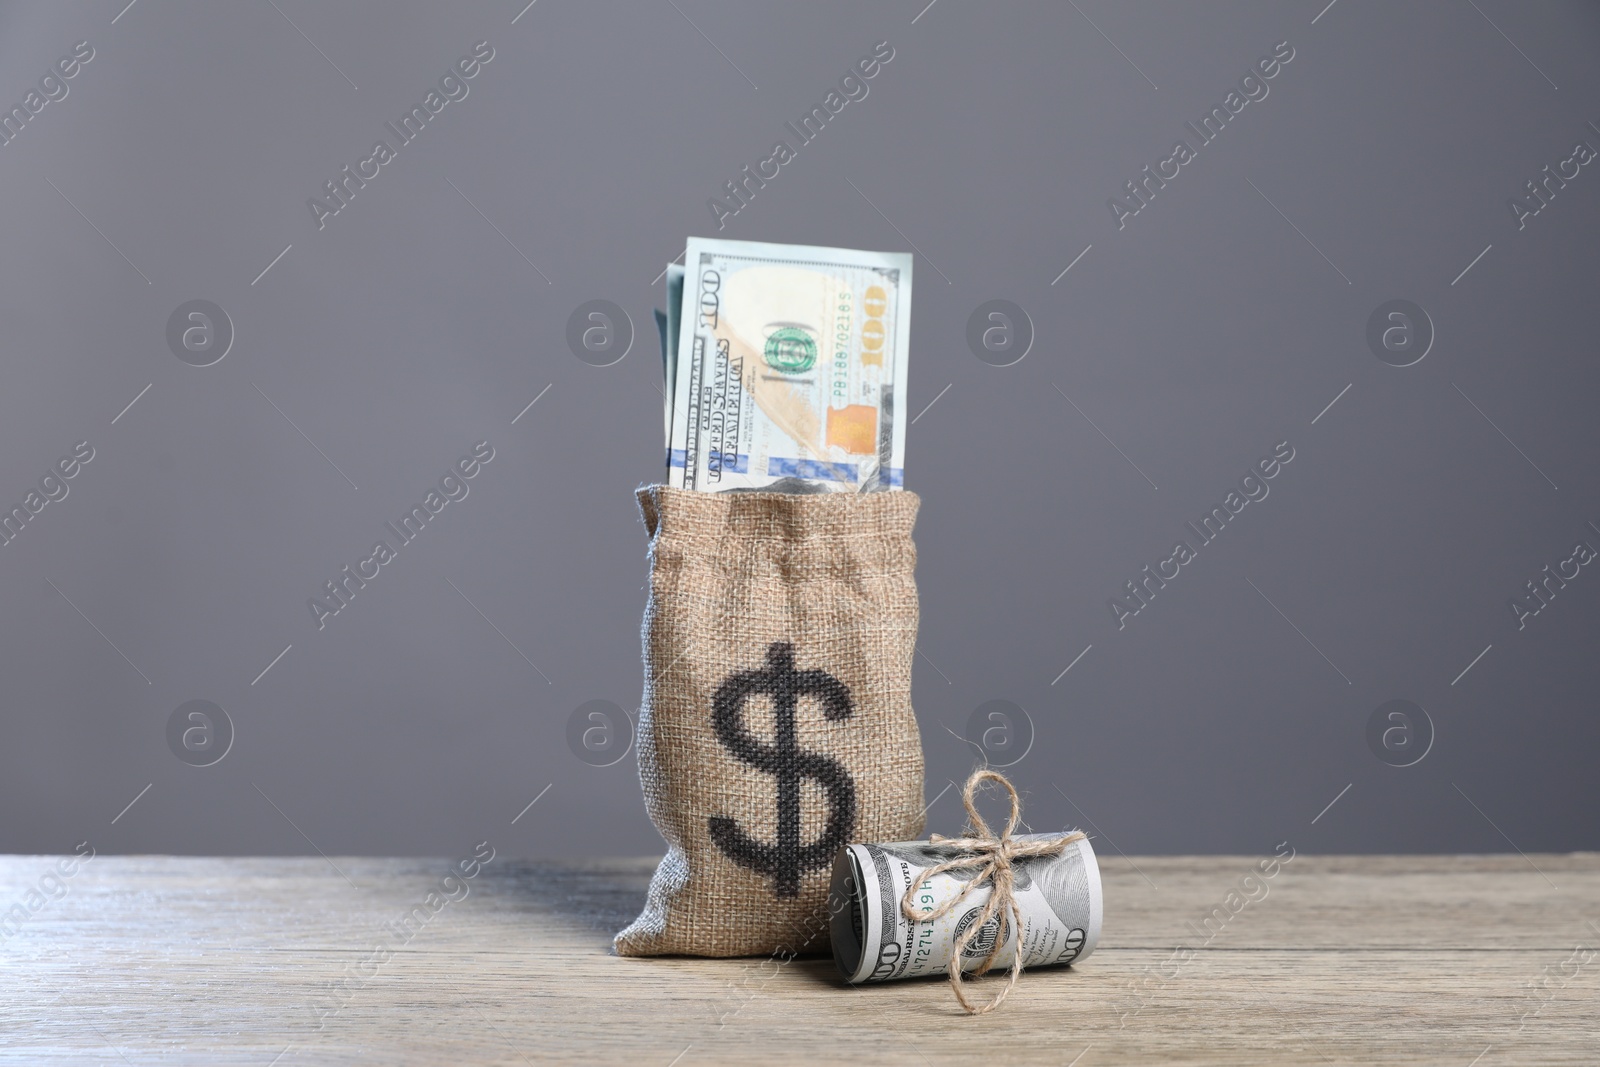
column 786, row 761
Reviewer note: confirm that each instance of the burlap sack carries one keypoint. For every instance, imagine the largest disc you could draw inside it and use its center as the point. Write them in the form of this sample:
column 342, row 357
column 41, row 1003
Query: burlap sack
column 777, row 722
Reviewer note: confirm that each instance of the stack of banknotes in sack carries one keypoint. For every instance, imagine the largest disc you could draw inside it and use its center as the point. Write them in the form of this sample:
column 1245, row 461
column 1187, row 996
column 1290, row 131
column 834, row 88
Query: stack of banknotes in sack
column 785, row 368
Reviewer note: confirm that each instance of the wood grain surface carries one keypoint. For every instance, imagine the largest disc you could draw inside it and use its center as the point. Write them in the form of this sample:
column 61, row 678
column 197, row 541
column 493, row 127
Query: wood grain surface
column 1464, row 960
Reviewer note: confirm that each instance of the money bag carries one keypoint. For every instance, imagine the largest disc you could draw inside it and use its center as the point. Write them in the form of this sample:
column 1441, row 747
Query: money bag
column 776, row 725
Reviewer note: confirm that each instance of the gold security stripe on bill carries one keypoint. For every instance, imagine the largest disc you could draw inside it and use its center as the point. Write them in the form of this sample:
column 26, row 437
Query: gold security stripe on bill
column 791, row 368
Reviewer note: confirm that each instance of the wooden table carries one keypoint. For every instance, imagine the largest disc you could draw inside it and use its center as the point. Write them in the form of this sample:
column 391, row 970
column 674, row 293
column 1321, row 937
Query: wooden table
column 1347, row 960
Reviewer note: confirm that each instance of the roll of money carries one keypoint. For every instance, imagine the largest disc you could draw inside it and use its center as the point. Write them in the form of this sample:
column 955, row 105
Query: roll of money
column 873, row 941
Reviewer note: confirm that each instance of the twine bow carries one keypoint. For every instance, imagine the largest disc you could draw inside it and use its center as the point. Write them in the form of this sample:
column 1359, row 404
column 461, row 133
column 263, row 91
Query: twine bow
column 992, row 858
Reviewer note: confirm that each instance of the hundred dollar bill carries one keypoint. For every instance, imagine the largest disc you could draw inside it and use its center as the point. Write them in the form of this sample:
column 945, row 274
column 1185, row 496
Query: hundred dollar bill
column 789, row 368
column 873, row 941
column 669, row 347
column 666, row 394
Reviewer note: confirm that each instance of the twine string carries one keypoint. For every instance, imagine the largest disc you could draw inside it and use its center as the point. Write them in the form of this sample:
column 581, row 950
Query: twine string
column 991, row 858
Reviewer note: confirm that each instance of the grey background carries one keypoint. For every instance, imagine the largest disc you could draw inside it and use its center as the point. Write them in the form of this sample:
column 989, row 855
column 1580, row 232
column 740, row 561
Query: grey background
column 1196, row 338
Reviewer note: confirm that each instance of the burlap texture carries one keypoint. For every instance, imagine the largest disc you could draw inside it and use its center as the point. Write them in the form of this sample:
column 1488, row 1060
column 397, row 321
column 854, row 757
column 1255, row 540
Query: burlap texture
column 760, row 601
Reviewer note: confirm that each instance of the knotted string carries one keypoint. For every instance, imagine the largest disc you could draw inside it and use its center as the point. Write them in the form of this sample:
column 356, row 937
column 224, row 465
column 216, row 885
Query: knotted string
column 992, row 858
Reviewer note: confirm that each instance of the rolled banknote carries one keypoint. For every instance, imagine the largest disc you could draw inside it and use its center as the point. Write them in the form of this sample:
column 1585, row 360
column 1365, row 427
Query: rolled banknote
column 873, row 941
column 789, row 367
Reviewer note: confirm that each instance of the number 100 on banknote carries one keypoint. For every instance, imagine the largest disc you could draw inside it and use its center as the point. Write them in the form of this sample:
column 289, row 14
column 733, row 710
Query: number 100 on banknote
column 790, row 368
